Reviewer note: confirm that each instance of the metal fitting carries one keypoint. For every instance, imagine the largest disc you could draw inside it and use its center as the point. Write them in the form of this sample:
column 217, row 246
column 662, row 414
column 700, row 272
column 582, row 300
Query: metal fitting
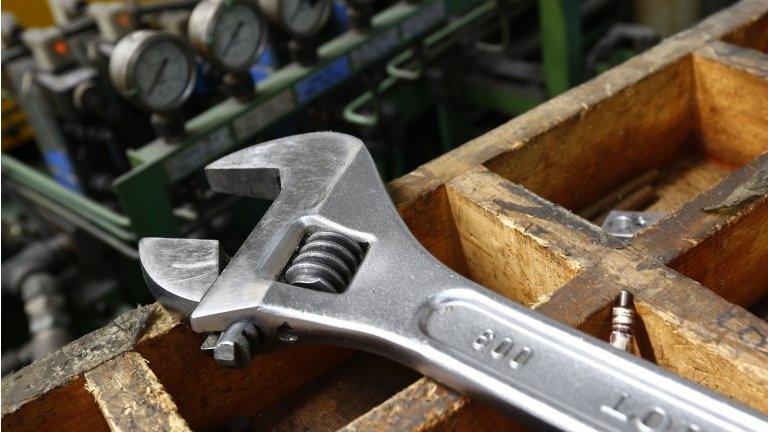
column 623, row 322
column 236, row 345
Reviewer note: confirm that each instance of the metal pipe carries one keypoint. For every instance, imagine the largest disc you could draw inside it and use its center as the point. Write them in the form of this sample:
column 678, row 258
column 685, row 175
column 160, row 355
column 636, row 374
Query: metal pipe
column 113, row 238
column 45, row 306
column 48, row 187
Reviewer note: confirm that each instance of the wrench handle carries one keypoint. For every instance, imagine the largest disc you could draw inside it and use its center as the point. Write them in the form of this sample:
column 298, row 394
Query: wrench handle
column 488, row 347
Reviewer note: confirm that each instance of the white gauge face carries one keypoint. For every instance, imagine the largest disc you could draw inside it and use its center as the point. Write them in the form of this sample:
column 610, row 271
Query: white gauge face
column 304, row 17
column 237, row 36
column 162, row 74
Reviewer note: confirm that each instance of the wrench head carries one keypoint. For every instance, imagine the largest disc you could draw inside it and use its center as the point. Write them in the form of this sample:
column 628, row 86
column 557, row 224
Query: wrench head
column 302, row 174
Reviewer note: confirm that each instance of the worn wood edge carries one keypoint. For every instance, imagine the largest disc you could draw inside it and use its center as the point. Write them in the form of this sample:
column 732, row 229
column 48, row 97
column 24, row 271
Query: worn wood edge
column 747, row 60
column 69, row 407
column 701, row 337
column 536, row 246
column 341, row 395
column 731, row 99
column 213, row 395
column 750, row 34
column 419, row 407
column 725, row 352
column 130, row 396
column 682, row 230
column 60, row 367
column 572, row 104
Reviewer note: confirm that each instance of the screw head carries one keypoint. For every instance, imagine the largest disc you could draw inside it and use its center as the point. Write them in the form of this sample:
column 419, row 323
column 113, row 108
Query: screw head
column 236, row 345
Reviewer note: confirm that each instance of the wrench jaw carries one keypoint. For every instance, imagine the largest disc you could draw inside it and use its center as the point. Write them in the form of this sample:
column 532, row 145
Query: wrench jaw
column 180, row 271
column 302, row 169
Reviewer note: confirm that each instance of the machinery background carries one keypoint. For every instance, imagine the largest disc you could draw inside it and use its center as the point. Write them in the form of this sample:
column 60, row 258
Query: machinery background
column 88, row 168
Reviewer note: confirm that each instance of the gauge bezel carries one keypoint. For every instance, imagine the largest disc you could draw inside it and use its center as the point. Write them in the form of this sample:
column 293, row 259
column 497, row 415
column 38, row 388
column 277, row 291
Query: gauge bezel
column 122, row 67
column 273, row 11
column 202, row 24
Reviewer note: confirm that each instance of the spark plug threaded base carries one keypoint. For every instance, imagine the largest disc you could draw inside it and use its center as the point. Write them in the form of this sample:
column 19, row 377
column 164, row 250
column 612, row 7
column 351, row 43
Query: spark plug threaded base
column 622, row 327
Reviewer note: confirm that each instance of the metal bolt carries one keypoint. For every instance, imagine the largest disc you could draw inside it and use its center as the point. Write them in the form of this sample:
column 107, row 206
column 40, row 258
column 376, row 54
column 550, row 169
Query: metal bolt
column 623, row 322
column 236, row 345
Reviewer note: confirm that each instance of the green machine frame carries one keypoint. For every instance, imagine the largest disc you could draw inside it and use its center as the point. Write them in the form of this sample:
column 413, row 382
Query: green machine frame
column 143, row 192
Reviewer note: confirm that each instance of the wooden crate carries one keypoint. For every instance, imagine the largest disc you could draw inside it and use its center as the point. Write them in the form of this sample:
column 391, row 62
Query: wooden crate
column 500, row 210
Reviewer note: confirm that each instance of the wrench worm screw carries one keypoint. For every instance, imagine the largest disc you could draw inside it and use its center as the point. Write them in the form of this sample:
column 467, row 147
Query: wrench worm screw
column 623, row 322
column 235, row 346
column 326, row 262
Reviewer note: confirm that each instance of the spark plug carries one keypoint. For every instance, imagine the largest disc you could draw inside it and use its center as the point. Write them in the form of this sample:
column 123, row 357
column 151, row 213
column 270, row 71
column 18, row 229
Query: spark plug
column 623, row 322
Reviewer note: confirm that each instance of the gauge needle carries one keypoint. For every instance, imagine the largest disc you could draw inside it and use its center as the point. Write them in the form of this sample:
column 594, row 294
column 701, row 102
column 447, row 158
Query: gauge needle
column 231, row 40
column 158, row 75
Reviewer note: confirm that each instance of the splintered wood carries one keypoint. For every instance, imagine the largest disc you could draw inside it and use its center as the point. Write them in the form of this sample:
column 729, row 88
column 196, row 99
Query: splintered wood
column 692, row 111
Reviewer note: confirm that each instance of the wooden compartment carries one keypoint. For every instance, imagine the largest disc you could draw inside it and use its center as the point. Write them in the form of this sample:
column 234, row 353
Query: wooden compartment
column 502, row 210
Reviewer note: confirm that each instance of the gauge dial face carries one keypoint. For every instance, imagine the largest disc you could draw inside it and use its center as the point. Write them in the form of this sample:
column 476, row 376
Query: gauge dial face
column 155, row 70
column 162, row 74
column 237, row 36
column 304, row 18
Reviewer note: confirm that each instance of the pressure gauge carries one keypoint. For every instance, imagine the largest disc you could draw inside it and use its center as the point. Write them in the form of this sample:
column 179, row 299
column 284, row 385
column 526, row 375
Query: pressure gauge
column 155, row 70
column 229, row 33
column 301, row 18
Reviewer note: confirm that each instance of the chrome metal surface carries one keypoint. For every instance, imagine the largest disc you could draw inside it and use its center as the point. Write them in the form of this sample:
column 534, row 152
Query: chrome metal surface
column 404, row 304
column 623, row 322
column 236, row 345
column 171, row 70
column 180, row 271
column 230, row 33
column 300, row 18
column 628, row 223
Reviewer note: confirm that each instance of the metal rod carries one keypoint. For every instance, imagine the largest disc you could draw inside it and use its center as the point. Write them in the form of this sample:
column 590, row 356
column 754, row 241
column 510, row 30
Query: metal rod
column 48, row 187
column 81, row 223
column 610, row 200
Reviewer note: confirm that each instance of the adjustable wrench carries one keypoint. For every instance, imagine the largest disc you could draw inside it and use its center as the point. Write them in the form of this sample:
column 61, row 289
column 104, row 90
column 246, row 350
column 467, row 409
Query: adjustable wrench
column 331, row 262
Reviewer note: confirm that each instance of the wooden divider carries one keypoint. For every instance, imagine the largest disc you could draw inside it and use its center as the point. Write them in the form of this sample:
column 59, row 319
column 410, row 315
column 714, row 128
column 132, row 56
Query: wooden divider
column 116, row 384
column 207, row 395
column 732, row 101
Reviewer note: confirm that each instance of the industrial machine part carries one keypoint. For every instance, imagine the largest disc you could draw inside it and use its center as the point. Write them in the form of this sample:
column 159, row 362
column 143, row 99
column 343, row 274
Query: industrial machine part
column 28, row 274
column 114, row 20
column 156, row 71
column 626, row 224
column 10, row 30
column 65, row 11
column 49, row 48
column 364, row 281
column 232, row 35
column 623, row 322
column 301, row 19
